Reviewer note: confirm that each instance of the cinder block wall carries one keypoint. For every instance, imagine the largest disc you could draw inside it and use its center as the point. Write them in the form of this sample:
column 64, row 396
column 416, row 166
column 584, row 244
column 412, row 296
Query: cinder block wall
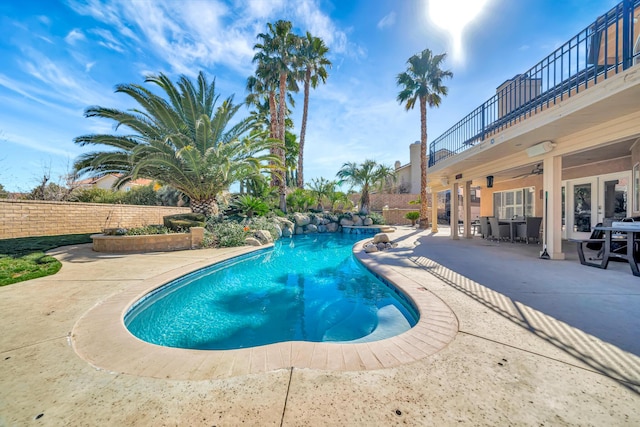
column 396, row 216
column 30, row 218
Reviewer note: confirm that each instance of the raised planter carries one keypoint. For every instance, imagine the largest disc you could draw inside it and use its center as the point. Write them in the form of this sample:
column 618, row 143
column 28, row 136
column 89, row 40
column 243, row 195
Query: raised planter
column 149, row 242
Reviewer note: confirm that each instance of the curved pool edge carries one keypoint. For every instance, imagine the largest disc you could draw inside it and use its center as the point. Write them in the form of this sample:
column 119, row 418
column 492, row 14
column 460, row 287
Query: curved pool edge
column 101, row 338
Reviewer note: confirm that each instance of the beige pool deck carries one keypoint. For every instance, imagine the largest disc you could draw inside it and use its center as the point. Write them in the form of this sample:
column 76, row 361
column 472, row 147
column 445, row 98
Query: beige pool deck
column 476, row 357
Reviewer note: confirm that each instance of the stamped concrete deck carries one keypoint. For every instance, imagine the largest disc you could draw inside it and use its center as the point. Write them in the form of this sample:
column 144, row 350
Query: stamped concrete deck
column 509, row 363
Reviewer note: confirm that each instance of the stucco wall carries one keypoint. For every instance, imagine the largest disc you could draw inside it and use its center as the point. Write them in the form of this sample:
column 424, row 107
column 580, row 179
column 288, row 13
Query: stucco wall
column 28, row 218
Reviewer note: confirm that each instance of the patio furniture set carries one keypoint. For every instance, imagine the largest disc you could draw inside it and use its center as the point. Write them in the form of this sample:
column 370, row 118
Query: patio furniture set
column 525, row 229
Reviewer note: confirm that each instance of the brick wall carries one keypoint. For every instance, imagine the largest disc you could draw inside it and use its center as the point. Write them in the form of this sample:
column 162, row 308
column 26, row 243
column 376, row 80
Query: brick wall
column 400, row 201
column 396, row 216
column 30, row 218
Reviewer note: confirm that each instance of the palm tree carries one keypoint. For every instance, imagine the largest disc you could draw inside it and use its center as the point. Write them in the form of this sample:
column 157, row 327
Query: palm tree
column 277, row 55
column 313, row 61
column 367, row 175
column 422, row 82
column 322, row 188
column 182, row 141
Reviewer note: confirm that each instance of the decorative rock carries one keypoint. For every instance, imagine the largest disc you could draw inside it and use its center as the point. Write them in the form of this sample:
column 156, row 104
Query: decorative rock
column 286, row 232
column 346, row 222
column 286, row 223
column 299, row 230
column 322, row 228
column 357, row 221
column 311, row 229
column 278, row 230
column 301, row 219
column 252, row 241
column 371, row 248
column 263, row 236
column 332, row 227
column 381, row 246
column 381, row 238
column 367, row 221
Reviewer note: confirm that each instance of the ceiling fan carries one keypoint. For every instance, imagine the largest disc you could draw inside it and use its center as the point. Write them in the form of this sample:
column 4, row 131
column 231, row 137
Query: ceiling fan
column 537, row 170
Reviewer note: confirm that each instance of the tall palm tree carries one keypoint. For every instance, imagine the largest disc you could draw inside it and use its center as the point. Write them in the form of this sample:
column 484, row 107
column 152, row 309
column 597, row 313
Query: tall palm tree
column 182, row 141
column 422, row 82
column 367, row 175
column 277, row 55
column 313, row 66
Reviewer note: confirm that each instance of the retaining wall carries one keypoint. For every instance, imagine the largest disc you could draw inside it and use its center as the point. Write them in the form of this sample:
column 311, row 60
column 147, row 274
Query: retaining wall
column 150, row 242
column 31, row 218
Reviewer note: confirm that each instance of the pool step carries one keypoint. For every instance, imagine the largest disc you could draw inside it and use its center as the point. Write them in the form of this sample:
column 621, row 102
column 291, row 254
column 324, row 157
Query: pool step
column 386, row 229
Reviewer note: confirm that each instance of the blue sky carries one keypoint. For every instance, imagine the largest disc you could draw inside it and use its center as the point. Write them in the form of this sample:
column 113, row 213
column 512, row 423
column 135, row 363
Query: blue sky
column 59, row 57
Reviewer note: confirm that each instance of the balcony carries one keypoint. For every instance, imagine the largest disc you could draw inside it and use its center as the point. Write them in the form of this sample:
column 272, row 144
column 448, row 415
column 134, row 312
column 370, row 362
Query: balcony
column 607, row 47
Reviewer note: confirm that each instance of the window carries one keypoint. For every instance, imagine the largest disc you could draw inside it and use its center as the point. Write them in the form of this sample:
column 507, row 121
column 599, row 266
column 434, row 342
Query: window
column 508, row 204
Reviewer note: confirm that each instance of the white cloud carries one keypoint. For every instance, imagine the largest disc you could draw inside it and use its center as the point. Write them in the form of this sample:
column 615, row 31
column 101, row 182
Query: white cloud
column 45, row 146
column 108, row 40
column 209, row 33
column 74, row 36
column 388, row 21
column 89, row 66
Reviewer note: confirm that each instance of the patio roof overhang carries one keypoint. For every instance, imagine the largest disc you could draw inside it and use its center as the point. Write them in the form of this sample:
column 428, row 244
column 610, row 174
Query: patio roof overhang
column 601, row 110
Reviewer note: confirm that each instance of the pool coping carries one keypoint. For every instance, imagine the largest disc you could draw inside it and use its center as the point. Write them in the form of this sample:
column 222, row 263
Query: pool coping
column 101, row 338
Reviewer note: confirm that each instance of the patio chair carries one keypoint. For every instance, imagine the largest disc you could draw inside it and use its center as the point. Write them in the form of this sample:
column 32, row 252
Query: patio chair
column 499, row 231
column 530, row 229
column 485, row 228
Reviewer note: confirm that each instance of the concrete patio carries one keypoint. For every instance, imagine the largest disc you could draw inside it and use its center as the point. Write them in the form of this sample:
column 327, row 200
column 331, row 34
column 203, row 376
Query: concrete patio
column 538, row 342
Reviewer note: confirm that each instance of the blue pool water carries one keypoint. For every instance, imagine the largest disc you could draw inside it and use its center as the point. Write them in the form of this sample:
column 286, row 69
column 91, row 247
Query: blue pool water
column 308, row 288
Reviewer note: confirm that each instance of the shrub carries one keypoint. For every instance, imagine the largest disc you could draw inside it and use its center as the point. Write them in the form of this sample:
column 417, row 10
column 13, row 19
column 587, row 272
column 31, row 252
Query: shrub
column 180, row 222
column 148, row 229
column 250, row 206
column 377, row 218
column 412, row 216
column 145, row 196
column 262, row 223
column 227, row 233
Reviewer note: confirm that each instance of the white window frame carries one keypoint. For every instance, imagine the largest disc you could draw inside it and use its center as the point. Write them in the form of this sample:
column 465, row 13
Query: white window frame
column 515, row 202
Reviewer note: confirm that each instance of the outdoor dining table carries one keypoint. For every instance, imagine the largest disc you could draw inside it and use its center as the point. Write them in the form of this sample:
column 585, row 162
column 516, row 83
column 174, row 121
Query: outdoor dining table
column 513, row 224
column 632, row 235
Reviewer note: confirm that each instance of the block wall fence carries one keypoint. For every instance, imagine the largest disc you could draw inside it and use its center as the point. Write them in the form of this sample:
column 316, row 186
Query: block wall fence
column 31, row 218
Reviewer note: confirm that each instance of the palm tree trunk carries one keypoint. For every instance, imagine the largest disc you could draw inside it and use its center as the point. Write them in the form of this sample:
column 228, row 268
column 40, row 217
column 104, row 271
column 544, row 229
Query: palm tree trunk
column 364, row 200
column 424, row 215
column 273, row 133
column 282, row 108
column 208, row 206
column 303, row 128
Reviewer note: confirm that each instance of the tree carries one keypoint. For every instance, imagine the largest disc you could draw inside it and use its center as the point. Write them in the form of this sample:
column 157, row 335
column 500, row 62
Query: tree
column 182, row 141
column 322, row 188
column 3, row 192
column 313, row 62
column 422, row 82
column 277, row 55
column 367, row 175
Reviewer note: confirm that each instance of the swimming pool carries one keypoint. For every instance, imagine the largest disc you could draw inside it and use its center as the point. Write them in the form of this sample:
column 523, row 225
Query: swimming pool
column 308, row 288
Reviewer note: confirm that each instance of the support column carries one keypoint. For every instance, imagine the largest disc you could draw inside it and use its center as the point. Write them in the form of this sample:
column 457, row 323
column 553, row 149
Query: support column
column 434, row 211
column 466, row 208
column 552, row 219
column 454, row 211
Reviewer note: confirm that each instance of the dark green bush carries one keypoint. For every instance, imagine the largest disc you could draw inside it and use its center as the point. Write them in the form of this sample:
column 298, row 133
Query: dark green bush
column 180, row 222
column 377, row 218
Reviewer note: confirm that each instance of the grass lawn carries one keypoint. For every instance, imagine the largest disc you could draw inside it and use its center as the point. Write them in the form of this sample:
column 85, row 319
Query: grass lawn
column 24, row 259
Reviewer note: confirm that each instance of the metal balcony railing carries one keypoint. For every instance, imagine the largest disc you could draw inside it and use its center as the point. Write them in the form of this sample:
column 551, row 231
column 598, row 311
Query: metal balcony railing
column 606, row 47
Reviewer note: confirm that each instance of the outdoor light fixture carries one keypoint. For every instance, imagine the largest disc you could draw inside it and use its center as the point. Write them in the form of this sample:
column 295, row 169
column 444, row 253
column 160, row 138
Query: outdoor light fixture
column 444, row 181
column 538, row 149
column 490, row 181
